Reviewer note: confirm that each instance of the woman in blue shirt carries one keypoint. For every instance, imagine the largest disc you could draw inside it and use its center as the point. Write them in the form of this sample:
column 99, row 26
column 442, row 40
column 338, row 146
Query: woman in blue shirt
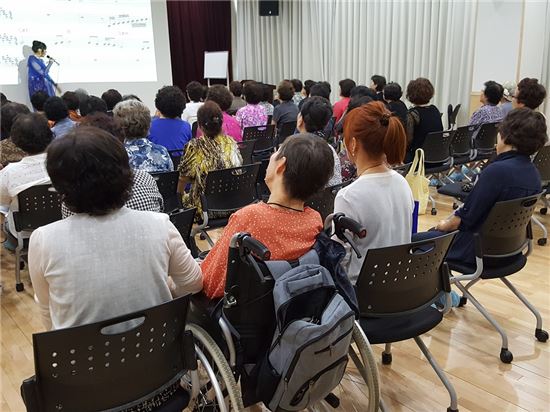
column 511, row 175
column 39, row 78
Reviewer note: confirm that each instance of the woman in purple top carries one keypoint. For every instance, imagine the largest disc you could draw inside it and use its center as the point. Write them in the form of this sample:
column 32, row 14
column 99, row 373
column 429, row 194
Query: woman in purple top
column 39, row 78
column 490, row 111
column 219, row 94
column 168, row 129
column 253, row 114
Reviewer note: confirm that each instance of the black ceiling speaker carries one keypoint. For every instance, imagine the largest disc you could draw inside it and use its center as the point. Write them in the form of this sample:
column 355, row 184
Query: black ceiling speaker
column 269, row 8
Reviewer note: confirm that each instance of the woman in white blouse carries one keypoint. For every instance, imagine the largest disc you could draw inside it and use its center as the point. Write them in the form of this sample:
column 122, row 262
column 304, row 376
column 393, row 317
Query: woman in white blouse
column 106, row 260
column 380, row 198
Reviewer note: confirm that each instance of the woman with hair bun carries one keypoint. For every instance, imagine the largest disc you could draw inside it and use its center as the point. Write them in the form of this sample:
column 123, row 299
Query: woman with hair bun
column 39, row 78
column 380, row 199
column 212, row 151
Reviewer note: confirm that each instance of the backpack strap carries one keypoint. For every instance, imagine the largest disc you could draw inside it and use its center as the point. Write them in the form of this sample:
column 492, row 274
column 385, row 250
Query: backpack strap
column 277, row 267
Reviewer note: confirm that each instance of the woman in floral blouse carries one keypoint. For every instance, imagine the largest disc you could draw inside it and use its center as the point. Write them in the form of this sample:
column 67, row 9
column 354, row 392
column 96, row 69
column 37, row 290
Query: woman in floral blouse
column 212, row 151
column 253, row 114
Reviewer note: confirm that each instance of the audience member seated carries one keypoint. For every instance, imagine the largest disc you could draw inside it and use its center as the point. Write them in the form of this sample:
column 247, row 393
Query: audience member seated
column 130, row 97
column 510, row 175
column 56, row 111
column 377, row 84
column 73, row 103
column 380, row 198
column 298, row 86
column 111, row 97
column 212, row 151
column 322, row 89
column 507, row 96
column 133, row 120
column 253, row 114
column 267, row 99
column 313, row 118
column 106, row 260
column 236, row 89
column 31, row 134
column 287, row 110
column 529, row 93
column 490, row 111
column 359, row 95
column 341, row 105
column 144, row 194
column 422, row 118
column 37, row 100
column 9, row 152
column 219, row 94
column 91, row 105
column 195, row 91
column 392, row 93
column 168, row 129
column 306, row 91
column 301, row 167
column 82, row 96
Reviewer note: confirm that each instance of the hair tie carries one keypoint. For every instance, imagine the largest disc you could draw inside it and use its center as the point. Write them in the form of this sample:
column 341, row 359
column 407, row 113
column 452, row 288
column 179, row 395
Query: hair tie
column 385, row 120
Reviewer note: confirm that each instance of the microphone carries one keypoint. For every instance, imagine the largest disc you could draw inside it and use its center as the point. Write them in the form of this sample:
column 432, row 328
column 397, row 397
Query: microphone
column 52, row 59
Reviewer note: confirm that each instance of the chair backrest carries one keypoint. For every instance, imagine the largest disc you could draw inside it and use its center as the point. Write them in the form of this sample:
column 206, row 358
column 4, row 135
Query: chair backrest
column 38, row 206
column 403, row 278
column 452, row 114
column 183, row 221
column 286, row 129
column 262, row 190
column 323, row 201
column 402, row 169
column 505, row 231
column 175, row 155
column 194, row 128
column 86, row 368
column 437, row 147
column 542, row 163
column 228, row 190
column 246, row 148
column 462, row 141
column 269, row 119
column 264, row 136
column 486, row 137
column 167, row 183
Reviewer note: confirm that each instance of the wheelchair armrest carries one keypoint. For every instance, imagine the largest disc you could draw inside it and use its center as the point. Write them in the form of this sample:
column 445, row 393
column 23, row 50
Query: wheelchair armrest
column 188, row 351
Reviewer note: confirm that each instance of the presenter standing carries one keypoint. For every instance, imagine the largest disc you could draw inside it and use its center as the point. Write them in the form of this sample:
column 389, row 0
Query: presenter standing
column 39, row 78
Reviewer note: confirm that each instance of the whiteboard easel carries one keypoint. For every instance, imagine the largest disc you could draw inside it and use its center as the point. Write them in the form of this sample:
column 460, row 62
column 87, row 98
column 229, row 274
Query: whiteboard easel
column 215, row 66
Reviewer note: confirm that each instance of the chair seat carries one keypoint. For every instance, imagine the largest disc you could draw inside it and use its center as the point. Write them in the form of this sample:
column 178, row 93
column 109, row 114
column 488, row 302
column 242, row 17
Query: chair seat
column 217, row 222
column 394, row 329
column 509, row 266
column 453, row 190
column 437, row 168
column 461, row 160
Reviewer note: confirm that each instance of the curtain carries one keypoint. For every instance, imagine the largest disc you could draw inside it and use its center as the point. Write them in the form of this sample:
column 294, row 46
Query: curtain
column 195, row 27
column 333, row 40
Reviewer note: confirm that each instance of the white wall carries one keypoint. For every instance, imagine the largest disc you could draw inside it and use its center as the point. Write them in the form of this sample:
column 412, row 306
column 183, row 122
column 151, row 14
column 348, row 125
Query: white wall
column 145, row 90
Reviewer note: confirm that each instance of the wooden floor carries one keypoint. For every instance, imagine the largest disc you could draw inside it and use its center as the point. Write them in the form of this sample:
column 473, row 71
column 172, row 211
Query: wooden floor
column 464, row 344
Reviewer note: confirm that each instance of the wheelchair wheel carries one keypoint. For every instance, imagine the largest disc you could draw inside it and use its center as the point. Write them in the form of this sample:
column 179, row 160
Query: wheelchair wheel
column 365, row 363
column 217, row 390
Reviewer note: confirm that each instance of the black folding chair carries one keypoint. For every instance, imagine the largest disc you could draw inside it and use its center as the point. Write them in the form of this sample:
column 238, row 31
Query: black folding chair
column 264, row 136
column 262, row 191
column 167, row 183
column 285, row 130
column 396, row 290
column 176, row 155
column 499, row 247
column 484, row 143
column 183, row 220
column 269, row 119
column 194, row 128
column 323, row 201
column 38, row 206
column 461, row 146
column 89, row 368
column 226, row 191
column 452, row 114
column 437, row 157
column 542, row 163
column 246, row 148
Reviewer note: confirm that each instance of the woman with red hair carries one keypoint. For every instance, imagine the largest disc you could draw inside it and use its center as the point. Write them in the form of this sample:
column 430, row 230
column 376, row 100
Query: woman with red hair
column 380, row 198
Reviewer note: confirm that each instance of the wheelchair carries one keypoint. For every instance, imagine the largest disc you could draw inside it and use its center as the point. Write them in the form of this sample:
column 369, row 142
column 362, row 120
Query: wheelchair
column 234, row 333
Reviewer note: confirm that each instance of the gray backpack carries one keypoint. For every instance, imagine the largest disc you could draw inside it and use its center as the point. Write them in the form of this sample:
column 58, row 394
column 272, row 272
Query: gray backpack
column 309, row 351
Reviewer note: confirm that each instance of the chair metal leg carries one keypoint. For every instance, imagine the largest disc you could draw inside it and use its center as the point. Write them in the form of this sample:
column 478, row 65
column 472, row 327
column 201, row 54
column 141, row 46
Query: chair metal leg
column 471, row 283
column 505, row 355
column 208, row 238
column 440, row 373
column 434, row 210
column 542, row 241
column 386, row 355
column 19, row 287
column 526, row 303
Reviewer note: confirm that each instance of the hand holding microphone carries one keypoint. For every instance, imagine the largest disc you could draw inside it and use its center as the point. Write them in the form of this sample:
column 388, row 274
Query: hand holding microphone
column 52, row 59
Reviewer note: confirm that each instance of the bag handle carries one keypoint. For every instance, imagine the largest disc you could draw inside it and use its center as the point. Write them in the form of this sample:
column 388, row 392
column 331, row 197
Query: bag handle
column 418, row 162
column 421, row 167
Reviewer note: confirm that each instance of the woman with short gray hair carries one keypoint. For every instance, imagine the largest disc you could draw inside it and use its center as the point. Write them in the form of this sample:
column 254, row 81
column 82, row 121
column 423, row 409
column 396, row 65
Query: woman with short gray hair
column 133, row 119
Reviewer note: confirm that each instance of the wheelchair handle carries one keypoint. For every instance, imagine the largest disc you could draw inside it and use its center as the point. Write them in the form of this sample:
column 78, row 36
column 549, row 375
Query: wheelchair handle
column 343, row 223
column 255, row 247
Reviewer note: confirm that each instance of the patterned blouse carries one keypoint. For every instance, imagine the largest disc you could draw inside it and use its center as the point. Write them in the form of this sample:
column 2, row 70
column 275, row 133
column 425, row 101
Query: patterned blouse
column 9, row 152
column 148, row 156
column 487, row 114
column 251, row 115
column 201, row 156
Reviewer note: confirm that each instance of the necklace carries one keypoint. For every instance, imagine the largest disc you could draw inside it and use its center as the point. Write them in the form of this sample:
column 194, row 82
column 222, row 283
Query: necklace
column 284, row 207
column 370, row 167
